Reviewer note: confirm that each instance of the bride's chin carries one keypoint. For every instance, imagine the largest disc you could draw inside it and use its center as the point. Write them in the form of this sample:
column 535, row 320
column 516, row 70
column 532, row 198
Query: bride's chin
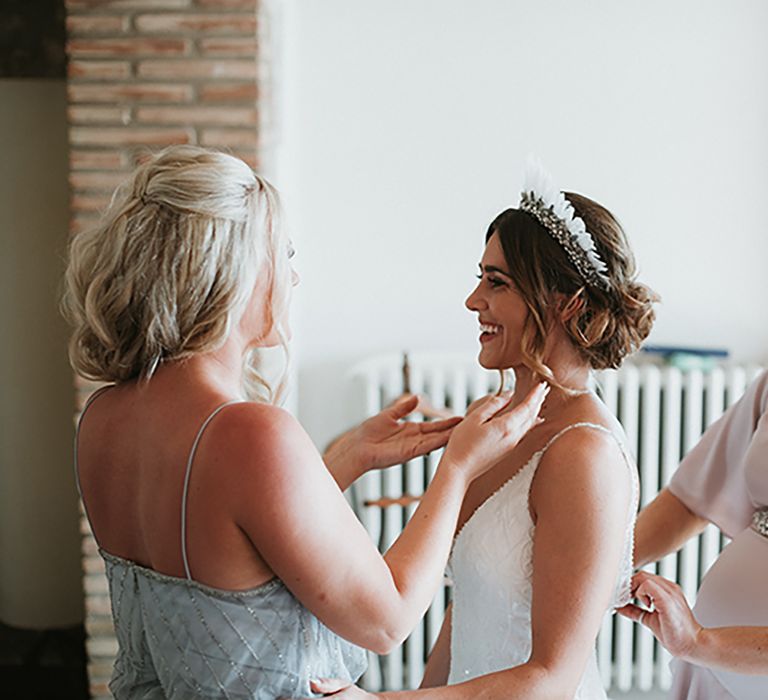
column 487, row 363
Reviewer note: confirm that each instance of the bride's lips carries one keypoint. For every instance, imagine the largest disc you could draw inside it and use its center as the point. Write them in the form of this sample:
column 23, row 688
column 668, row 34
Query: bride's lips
column 488, row 331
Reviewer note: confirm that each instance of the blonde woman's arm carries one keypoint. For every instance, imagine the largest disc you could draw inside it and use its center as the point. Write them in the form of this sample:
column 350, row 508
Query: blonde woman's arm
column 293, row 512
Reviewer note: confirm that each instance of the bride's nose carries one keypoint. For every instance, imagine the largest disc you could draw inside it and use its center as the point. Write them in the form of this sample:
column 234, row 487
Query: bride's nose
column 474, row 302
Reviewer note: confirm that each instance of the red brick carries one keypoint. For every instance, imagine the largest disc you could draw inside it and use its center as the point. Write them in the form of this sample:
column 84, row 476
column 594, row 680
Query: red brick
column 180, row 23
column 128, row 47
column 96, row 160
column 126, row 4
column 88, row 546
column 227, row 4
column 249, row 155
column 79, row 224
column 230, row 137
column 96, row 24
column 89, row 202
column 99, row 70
column 93, row 565
column 87, row 385
column 241, row 46
column 99, row 115
column 130, row 92
column 198, row 69
column 95, row 605
column 100, row 647
column 121, row 136
column 98, row 181
column 84, row 527
column 234, row 116
column 228, row 92
column 95, row 584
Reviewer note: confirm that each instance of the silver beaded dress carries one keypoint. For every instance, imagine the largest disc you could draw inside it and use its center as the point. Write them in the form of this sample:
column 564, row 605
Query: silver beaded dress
column 181, row 640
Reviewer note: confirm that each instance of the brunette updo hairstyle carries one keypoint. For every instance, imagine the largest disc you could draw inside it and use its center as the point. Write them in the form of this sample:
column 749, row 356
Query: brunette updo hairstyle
column 604, row 324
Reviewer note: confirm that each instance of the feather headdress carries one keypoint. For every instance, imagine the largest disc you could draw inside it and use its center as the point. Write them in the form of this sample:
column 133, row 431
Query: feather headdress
column 548, row 205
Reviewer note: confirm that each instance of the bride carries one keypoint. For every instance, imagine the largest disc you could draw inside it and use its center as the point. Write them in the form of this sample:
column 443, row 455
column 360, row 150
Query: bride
column 544, row 543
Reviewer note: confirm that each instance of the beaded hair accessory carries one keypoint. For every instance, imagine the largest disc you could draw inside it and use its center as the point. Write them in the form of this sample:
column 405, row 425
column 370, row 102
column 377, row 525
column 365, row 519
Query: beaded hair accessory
column 548, row 205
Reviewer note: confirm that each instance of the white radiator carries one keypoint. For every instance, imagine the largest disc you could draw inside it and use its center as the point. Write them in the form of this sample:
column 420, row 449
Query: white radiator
column 663, row 410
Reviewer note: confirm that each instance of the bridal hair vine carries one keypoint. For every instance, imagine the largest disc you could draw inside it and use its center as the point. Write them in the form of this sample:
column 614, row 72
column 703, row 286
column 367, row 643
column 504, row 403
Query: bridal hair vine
column 547, row 204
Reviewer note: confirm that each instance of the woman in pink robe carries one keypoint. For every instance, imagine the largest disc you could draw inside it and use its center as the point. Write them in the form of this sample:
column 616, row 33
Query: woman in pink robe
column 723, row 480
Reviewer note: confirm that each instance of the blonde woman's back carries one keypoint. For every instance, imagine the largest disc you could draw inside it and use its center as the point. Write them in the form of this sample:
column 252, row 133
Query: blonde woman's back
column 226, row 627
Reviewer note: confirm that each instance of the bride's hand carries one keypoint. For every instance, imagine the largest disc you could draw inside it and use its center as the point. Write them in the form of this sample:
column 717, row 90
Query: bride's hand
column 491, row 429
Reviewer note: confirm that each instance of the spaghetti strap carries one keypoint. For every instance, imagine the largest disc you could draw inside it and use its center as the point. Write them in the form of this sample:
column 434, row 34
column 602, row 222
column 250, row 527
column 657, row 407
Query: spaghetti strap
column 187, row 474
column 583, row 424
column 95, row 395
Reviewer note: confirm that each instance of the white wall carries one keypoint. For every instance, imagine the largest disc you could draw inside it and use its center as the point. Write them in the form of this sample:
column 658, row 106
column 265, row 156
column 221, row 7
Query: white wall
column 406, row 124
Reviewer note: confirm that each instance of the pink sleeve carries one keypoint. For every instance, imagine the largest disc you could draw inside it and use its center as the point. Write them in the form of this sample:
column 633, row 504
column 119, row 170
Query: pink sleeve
column 710, row 480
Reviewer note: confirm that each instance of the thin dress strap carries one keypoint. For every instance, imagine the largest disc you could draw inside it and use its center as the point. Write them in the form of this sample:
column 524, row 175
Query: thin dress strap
column 95, row 395
column 584, row 424
column 186, row 485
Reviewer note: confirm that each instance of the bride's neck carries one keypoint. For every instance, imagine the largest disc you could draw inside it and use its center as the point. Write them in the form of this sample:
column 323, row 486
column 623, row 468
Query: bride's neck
column 571, row 377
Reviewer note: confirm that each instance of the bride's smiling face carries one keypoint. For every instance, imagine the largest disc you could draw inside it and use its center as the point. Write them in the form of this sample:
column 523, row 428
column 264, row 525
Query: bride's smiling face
column 500, row 309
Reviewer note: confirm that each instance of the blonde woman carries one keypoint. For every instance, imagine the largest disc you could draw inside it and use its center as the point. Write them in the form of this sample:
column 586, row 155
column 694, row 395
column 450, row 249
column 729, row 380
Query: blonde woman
column 236, row 567
column 544, row 544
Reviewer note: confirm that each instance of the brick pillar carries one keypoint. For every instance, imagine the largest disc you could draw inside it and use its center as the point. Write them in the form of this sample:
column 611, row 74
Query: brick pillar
column 146, row 74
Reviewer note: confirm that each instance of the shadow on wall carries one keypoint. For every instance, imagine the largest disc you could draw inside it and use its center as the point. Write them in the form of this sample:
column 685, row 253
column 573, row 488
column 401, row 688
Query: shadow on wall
column 39, row 541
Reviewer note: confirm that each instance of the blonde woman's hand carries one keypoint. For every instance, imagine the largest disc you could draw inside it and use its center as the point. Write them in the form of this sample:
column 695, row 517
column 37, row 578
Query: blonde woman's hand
column 665, row 612
column 491, row 429
column 342, row 690
column 386, row 439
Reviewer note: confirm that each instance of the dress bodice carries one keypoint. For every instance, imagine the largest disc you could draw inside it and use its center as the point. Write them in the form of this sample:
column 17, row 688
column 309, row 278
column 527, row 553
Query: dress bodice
column 181, row 640
column 492, row 565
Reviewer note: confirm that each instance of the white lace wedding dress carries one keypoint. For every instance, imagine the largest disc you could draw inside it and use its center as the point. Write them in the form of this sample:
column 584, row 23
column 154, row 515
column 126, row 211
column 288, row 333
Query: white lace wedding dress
column 491, row 566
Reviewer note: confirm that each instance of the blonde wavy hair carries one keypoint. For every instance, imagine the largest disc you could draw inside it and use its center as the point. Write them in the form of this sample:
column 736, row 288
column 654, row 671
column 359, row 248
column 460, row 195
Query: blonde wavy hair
column 170, row 268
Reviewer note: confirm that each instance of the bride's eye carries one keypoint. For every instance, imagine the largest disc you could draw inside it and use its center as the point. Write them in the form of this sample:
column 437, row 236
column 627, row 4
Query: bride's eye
column 495, row 282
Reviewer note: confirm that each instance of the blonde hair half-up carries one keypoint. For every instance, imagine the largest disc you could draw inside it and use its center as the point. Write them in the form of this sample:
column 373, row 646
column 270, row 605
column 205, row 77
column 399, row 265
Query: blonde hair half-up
column 171, row 265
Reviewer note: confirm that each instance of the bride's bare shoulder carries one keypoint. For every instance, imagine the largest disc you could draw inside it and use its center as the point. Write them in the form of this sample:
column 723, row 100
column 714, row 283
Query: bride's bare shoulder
column 589, row 459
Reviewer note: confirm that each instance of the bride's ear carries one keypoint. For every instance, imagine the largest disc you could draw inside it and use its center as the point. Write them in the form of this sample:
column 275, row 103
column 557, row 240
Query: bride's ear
column 568, row 307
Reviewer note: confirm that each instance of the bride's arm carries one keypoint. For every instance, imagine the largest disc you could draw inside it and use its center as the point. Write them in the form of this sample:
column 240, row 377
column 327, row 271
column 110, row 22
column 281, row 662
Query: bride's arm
column 580, row 496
